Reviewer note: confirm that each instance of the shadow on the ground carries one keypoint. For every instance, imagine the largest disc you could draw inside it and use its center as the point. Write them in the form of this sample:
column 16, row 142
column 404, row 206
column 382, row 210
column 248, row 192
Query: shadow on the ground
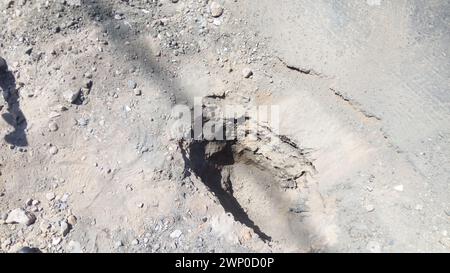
column 102, row 12
column 14, row 116
column 211, row 174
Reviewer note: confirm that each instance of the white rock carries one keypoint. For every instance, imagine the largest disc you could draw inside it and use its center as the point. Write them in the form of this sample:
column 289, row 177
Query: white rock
column 64, row 228
column 20, row 216
column 56, row 241
column 399, row 188
column 216, row 9
column 50, row 196
column 53, row 150
column 71, row 96
column 72, row 220
column 176, row 233
column 53, row 127
column 247, row 72
column 370, row 208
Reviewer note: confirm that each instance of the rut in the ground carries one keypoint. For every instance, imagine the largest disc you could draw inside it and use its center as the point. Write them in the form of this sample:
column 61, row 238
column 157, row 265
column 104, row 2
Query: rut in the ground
column 278, row 156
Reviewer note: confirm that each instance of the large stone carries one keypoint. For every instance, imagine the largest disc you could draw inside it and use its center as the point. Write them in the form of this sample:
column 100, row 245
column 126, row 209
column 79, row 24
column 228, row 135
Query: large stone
column 72, row 96
column 20, row 216
column 216, row 9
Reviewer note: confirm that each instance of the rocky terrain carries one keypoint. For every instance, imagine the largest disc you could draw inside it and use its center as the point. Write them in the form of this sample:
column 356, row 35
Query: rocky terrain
column 88, row 163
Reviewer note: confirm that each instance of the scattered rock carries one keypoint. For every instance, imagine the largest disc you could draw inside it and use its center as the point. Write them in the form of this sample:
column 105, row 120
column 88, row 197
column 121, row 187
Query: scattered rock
column 216, row 9
column 132, row 84
column 64, row 228
column 20, row 216
column 53, row 150
column 82, row 122
column 176, row 234
column 53, row 127
column 247, row 72
column 88, row 85
column 137, row 92
column 50, row 196
column 88, row 75
column 135, row 242
column 56, row 241
column 72, row 220
column 72, row 96
column 29, row 50
column 399, row 188
column 370, row 208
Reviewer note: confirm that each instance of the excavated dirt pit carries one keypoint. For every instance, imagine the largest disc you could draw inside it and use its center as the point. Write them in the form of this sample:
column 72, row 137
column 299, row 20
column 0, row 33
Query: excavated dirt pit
column 254, row 186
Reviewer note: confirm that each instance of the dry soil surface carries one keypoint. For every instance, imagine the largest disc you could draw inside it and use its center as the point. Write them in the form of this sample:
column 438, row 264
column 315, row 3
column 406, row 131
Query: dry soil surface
column 88, row 162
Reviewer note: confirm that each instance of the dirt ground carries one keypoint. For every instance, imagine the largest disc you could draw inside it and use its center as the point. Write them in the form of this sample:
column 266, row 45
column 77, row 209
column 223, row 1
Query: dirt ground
column 88, row 162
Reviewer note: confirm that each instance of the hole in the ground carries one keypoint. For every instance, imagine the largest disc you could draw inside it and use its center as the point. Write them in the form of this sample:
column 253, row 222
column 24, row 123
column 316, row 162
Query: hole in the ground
column 212, row 162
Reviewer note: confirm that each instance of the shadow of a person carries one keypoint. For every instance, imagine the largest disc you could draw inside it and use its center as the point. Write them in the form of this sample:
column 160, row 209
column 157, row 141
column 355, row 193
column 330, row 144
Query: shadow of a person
column 14, row 115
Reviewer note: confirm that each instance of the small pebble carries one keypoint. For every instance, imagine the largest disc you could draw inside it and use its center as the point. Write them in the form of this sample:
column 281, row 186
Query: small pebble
column 72, row 220
column 370, row 208
column 399, row 188
column 53, row 150
column 247, row 72
column 50, row 196
column 132, row 84
column 216, row 9
column 53, row 127
column 56, row 241
column 64, row 228
column 176, row 234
